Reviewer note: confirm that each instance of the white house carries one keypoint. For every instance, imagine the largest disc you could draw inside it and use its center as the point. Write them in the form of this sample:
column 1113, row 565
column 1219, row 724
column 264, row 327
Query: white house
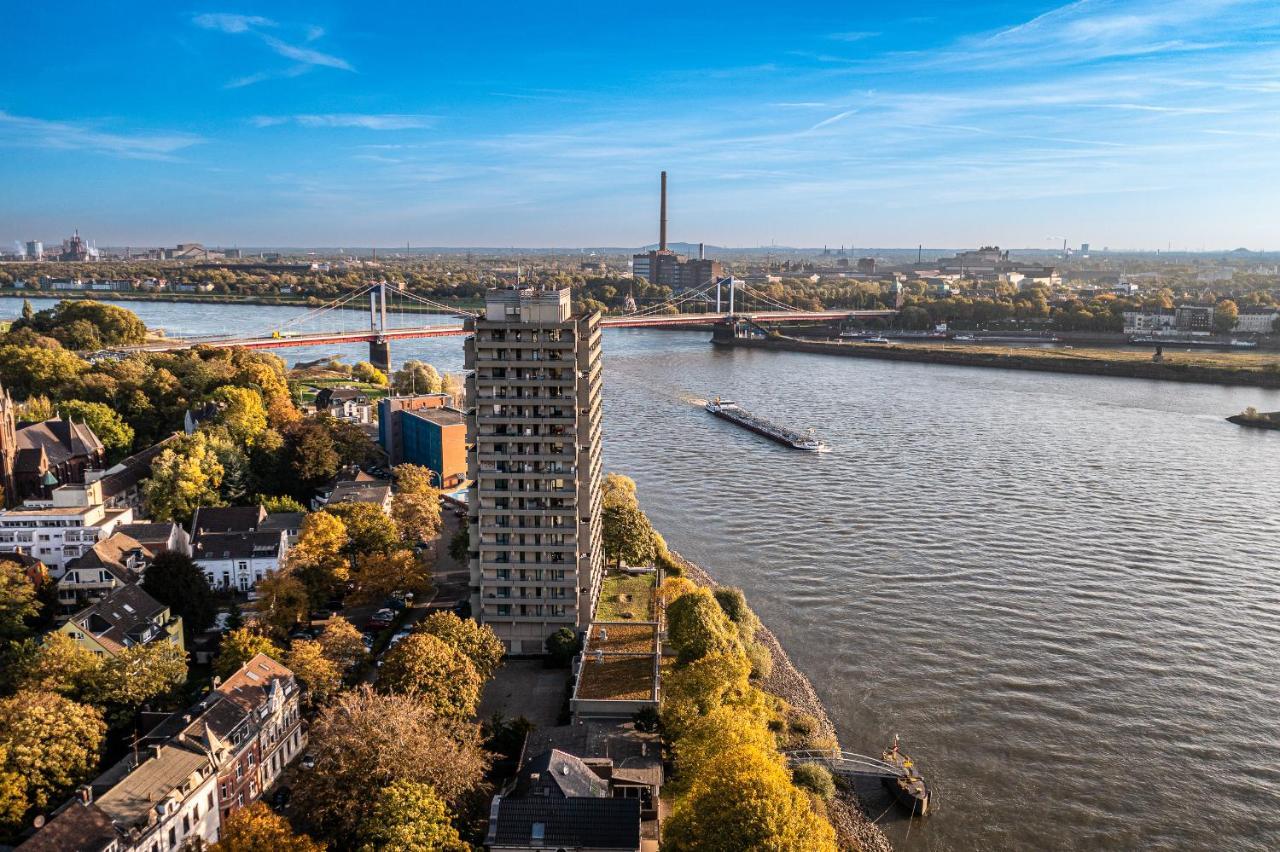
column 236, row 547
column 1257, row 320
column 59, row 529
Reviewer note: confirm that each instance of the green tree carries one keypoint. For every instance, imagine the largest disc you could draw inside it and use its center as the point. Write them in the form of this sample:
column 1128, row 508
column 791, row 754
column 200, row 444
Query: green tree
column 310, row 457
column 27, row 311
column 319, row 675
column 174, row 579
column 51, row 742
column 460, row 545
column 562, row 646
column 257, row 828
column 415, row 377
column 136, row 676
column 1225, row 315
column 283, row 600
column 369, row 530
column 239, row 647
column 477, row 642
column 18, row 604
column 185, row 476
column 816, row 779
column 368, row 741
column 734, row 604
column 115, row 434
column 628, row 535
column 241, row 412
column 406, row 817
column 439, row 675
column 365, row 372
column 55, row 663
column 279, row 503
column 25, row 370
column 697, row 626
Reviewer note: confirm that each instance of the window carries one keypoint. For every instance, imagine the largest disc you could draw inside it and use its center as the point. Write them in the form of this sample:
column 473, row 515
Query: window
column 210, row 800
column 173, row 836
column 186, row 823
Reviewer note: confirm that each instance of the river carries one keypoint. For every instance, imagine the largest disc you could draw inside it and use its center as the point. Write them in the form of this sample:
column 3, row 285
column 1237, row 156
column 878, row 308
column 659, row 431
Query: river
column 1062, row 591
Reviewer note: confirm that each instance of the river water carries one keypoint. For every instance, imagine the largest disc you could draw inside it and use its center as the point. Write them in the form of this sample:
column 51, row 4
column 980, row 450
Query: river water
column 1062, row 591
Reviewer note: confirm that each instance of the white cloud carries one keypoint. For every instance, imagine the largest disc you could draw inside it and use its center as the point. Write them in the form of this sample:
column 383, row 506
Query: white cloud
column 17, row 130
column 306, row 57
column 386, row 121
column 228, row 23
column 856, row 35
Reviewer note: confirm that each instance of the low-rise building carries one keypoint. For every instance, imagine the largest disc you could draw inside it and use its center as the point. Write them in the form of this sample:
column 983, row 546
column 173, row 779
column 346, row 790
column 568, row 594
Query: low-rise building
column 158, row 536
column 125, row 618
column 61, row 528
column 359, row 487
column 435, row 438
column 235, row 547
column 1260, row 319
column 1194, row 318
column 1150, row 321
column 350, row 405
column 390, row 423
column 112, row 563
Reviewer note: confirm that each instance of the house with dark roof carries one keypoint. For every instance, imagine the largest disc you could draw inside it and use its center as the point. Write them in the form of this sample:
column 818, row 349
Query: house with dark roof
column 158, row 536
column 122, row 482
column 125, row 618
column 347, row 404
column 52, row 453
column 238, row 545
column 356, row 486
column 116, row 561
column 580, row 824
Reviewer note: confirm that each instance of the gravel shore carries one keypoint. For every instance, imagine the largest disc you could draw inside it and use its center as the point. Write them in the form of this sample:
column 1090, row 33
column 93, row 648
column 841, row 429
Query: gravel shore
column 854, row 828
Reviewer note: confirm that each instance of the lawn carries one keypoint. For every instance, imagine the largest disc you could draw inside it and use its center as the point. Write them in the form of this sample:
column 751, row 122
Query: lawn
column 617, row 679
column 623, row 638
column 626, row 598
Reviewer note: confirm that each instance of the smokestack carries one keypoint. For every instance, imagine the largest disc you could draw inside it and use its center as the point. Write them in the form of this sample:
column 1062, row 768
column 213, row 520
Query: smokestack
column 662, row 230
column 702, row 253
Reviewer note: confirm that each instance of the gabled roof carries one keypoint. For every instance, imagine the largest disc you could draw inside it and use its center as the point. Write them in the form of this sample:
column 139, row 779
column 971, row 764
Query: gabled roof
column 128, row 472
column 153, row 536
column 119, row 619
column 223, row 519
column 283, row 521
column 236, row 545
column 569, row 823
column 254, row 681
column 146, row 786
column 61, row 439
column 558, row 773
column 111, row 553
column 75, row 827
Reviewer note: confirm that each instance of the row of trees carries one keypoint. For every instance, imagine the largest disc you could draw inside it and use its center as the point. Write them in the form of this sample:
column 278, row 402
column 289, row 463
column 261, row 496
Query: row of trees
column 732, row 786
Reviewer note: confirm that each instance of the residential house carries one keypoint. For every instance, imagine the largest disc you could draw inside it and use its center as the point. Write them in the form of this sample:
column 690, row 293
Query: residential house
column 1257, row 319
column 347, row 404
column 122, row 482
column 125, row 618
column 110, row 564
column 356, row 486
column 59, row 529
column 235, row 546
column 158, row 536
column 582, row 824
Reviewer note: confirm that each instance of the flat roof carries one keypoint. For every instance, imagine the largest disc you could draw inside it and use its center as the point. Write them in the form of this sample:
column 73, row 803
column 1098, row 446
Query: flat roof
column 440, row 416
column 617, row 678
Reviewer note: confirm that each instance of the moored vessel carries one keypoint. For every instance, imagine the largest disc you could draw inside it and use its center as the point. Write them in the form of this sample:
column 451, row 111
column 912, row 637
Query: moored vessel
column 908, row 786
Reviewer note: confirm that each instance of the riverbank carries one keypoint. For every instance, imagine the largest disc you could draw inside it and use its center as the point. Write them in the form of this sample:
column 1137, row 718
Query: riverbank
column 1177, row 366
column 225, row 299
column 853, row 826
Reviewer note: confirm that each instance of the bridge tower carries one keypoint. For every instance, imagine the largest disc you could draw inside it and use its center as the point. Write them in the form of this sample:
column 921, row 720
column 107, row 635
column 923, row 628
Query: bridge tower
column 380, row 346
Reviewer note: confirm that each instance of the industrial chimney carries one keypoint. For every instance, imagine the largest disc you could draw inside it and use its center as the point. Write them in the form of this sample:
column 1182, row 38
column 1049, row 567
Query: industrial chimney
column 662, row 230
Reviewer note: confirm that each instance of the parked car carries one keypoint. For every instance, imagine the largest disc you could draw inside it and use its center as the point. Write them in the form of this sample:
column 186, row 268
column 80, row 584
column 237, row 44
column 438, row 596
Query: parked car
column 382, row 619
column 309, row 761
column 280, row 798
column 367, row 639
column 462, row 609
column 400, row 634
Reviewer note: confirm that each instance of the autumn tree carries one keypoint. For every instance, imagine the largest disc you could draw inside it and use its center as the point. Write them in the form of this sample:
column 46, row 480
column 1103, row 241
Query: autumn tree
column 415, row 377
column 275, row 503
column 185, row 476
column 50, row 742
column 365, row 372
column 366, row 740
column 342, row 643
column 369, row 530
column 723, row 727
column 744, row 799
column 175, row 580
column 310, row 457
column 319, row 558
column 436, row 673
column 477, row 642
column 319, row 675
column 115, row 434
column 56, row 663
column 697, row 626
column 257, row 828
column 628, row 535
column 1225, row 315
column 378, row 574
column 415, row 506
column 734, row 604
column 408, row 816
column 283, row 601
column 25, row 370
column 18, row 604
column 239, row 647
column 241, row 412
column 705, row 684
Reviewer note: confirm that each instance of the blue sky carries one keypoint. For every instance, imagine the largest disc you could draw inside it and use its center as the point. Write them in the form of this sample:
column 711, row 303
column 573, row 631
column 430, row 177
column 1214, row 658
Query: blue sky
column 1127, row 124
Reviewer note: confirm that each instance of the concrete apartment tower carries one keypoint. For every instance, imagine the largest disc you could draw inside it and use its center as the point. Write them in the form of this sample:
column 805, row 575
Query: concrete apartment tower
column 537, row 556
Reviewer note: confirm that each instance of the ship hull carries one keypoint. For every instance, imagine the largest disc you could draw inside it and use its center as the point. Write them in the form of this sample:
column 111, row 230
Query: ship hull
column 762, row 432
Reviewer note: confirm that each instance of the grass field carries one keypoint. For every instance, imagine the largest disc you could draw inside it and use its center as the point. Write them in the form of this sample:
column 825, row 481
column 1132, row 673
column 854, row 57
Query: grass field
column 626, row 598
column 1172, row 355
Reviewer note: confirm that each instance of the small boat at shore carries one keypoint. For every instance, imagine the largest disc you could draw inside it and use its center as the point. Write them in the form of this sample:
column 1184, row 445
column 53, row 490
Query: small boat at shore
column 908, row 786
column 734, row 413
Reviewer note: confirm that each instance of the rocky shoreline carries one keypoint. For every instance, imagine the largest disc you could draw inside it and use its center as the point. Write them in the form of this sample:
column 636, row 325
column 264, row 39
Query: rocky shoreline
column 853, row 826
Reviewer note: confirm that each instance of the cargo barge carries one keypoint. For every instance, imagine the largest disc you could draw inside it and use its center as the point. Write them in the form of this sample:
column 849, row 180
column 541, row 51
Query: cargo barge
column 735, row 413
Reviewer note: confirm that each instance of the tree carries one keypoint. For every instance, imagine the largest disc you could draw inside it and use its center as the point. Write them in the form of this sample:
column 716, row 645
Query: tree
column 618, row 490
column 319, row 675
column 703, row 685
column 241, row 412
column 439, row 675
column 174, row 579
column 279, row 503
column 342, row 643
column 734, row 604
column 722, row 728
column 415, row 377
column 1225, row 315
column 135, row 676
column 477, row 642
column 235, row 618
column 310, row 457
column 37, row 409
column 563, row 646
column 113, row 325
column 460, row 545
column 369, row 530
column 415, row 507
column 18, row 604
column 744, row 799
column 13, row 796
column 319, row 559
column 185, row 476
column 367, row 741
column 697, row 626
column 259, row 829
column 283, row 600
column 239, row 647
column 58, row 664
column 365, row 372
column 628, row 536
column 408, row 816
column 25, row 370
column 50, row 742
column 377, row 575
column 27, row 311
column 115, row 434
column 816, row 779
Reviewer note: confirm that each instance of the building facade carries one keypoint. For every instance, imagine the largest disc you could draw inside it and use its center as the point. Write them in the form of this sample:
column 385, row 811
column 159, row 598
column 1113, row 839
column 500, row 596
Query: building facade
column 535, row 433
column 59, row 529
column 436, row 438
column 236, row 546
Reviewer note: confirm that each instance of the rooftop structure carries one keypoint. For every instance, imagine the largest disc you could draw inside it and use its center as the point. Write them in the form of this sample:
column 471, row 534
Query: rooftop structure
column 125, row 618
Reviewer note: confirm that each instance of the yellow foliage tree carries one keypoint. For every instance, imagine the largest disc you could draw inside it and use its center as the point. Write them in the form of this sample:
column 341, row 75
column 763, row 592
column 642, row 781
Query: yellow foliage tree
column 435, row 672
column 318, row 674
column 258, row 829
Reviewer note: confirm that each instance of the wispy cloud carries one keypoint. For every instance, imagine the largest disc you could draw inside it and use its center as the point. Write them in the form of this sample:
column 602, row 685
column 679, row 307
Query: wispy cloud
column 827, row 122
column 386, row 121
column 25, row 131
column 856, row 35
column 306, row 58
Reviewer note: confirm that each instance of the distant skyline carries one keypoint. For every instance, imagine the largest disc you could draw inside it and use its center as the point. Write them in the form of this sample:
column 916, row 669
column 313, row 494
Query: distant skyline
column 1126, row 124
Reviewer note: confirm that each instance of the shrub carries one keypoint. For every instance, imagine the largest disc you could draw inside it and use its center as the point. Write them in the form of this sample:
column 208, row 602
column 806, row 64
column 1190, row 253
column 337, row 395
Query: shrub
column 816, row 779
column 761, row 660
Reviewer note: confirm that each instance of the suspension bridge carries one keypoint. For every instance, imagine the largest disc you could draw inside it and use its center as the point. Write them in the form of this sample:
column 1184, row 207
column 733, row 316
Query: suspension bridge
column 396, row 314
